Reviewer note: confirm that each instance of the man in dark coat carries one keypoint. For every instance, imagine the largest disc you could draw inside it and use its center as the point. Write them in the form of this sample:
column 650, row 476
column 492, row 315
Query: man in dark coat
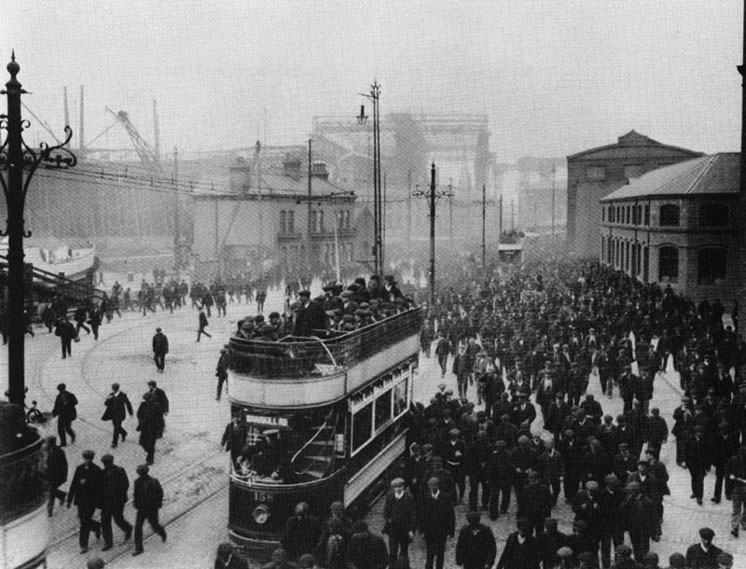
column 437, row 522
column 150, row 425
column 162, row 400
column 366, row 549
column 549, row 542
column 640, row 520
column 66, row 332
column 117, row 406
column 476, row 548
column 64, row 410
column 521, row 549
column 302, row 532
column 160, row 349
column 724, row 445
column 221, row 371
column 86, row 492
column 203, row 322
column 698, row 461
column 400, row 513
column 148, row 499
column 534, row 502
column 703, row 555
column 56, row 473
column 114, row 496
column 309, row 317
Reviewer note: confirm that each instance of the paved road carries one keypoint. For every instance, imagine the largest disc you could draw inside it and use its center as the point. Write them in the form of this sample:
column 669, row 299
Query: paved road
column 194, row 470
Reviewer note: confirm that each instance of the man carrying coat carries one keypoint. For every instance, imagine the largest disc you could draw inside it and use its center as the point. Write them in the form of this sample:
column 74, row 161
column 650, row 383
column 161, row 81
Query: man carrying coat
column 114, row 497
column 117, row 406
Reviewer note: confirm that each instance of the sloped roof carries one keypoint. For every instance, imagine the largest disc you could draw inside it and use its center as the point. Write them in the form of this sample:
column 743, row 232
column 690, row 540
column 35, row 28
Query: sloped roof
column 711, row 174
column 633, row 139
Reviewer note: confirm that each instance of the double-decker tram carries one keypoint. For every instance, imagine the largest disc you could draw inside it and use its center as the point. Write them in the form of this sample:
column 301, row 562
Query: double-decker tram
column 321, row 419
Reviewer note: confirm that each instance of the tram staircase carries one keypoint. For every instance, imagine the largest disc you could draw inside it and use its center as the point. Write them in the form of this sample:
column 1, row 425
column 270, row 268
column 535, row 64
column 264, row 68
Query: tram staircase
column 318, row 457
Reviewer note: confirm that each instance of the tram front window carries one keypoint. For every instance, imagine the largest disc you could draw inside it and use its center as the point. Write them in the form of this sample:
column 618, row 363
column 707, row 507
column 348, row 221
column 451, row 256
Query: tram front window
column 273, row 445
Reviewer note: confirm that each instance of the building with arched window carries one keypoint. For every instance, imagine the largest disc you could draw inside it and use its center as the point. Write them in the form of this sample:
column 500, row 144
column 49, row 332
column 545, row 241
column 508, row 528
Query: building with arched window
column 677, row 226
column 593, row 174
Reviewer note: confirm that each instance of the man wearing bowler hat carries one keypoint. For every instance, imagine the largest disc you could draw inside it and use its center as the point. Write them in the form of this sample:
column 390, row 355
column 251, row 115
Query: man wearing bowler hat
column 86, row 493
column 114, row 497
column 160, row 349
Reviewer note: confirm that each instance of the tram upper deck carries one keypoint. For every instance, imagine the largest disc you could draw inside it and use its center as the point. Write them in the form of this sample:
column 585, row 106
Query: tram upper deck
column 311, row 371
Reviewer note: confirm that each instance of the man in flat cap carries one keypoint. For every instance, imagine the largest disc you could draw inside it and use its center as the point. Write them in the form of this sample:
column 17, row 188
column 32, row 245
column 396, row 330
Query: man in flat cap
column 703, row 555
column 117, row 406
column 725, row 561
column 454, row 454
column 640, row 520
column 160, row 349
column 698, row 461
column 476, row 547
column 310, row 318
column 148, row 499
column 400, row 513
column 115, row 484
column 86, row 492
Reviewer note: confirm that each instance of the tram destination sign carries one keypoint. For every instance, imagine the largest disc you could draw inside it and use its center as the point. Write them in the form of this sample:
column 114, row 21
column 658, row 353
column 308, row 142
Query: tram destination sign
column 267, row 420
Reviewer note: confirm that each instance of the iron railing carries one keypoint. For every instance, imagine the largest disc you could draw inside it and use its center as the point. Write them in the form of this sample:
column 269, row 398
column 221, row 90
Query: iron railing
column 299, row 357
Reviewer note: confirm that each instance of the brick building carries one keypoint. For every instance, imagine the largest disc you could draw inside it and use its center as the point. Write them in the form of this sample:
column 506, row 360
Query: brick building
column 595, row 173
column 268, row 219
column 677, row 226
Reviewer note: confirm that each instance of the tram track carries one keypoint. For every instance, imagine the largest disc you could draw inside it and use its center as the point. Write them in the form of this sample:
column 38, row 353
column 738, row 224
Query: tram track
column 173, row 483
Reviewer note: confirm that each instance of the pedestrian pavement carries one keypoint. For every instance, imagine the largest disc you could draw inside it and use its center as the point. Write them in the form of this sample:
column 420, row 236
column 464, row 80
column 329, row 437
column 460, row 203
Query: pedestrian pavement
column 194, row 470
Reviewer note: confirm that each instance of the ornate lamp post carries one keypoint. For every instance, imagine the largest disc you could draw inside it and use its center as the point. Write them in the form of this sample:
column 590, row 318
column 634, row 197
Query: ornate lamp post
column 375, row 93
column 18, row 163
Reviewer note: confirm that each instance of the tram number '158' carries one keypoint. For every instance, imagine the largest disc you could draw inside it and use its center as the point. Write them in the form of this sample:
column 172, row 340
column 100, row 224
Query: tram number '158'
column 262, row 496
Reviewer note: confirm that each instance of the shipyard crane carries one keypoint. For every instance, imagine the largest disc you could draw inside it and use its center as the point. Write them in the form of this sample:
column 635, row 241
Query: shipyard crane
column 148, row 156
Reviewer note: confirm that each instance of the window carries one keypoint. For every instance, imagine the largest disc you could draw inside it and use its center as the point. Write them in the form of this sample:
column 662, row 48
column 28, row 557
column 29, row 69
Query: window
column 283, row 221
column 362, row 426
column 383, row 409
column 669, row 215
column 711, row 264
column 713, row 215
column 647, row 214
column 290, row 222
column 603, row 214
column 629, row 218
column 595, row 173
column 668, row 264
column 400, row 398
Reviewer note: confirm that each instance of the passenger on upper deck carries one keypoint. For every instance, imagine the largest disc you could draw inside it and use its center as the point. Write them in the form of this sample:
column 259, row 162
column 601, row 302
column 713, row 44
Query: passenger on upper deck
column 309, row 316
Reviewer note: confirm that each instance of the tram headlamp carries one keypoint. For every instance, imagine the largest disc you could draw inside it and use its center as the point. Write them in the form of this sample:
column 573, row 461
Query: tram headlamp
column 260, row 514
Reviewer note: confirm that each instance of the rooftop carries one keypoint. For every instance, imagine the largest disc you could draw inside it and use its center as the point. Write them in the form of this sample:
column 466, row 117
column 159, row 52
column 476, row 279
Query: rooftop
column 711, row 174
column 633, row 139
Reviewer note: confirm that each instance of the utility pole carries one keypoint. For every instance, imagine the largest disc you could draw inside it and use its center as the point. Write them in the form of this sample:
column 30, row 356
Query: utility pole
column 177, row 213
column 311, row 261
column 409, row 210
column 484, row 229
column 18, row 163
column 450, row 207
column 554, row 176
column 432, row 198
column 378, row 213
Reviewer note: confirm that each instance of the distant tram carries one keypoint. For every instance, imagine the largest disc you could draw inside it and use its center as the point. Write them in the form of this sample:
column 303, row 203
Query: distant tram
column 321, row 419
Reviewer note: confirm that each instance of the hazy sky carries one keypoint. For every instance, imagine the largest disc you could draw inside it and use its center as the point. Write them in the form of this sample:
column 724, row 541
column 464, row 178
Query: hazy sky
column 554, row 76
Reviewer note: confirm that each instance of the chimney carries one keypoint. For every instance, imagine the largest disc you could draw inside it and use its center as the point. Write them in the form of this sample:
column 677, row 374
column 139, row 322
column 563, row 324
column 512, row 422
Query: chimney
column 292, row 167
column 240, row 177
column 318, row 170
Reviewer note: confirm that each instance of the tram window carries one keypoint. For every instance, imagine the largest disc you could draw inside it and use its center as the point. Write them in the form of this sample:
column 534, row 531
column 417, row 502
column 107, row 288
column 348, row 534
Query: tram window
column 383, row 409
column 362, row 426
column 400, row 398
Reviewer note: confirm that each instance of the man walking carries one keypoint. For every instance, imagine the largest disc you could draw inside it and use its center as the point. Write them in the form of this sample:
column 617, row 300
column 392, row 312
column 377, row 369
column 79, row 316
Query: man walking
column 150, row 425
column 85, row 492
column 438, row 522
column 221, row 371
column 162, row 400
column 400, row 513
column 148, row 500
column 56, row 473
column 160, row 349
column 476, row 548
column 203, row 322
column 65, row 330
column 117, row 406
column 736, row 472
column 115, row 486
column 64, row 410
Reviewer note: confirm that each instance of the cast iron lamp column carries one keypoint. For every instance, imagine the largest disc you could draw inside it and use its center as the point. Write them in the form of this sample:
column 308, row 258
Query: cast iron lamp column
column 18, row 163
